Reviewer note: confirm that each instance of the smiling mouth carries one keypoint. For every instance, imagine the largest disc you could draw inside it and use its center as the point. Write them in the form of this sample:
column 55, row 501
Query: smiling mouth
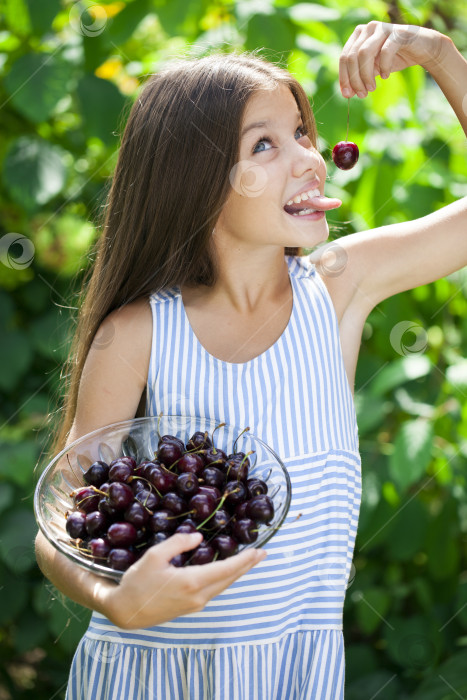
column 310, row 202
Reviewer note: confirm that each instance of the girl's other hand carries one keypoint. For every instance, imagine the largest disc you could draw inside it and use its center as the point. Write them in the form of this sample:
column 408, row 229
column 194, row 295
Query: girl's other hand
column 380, row 48
column 152, row 591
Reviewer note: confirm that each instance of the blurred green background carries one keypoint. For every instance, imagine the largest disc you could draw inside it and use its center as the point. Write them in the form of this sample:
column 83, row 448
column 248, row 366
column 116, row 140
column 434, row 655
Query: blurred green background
column 70, row 72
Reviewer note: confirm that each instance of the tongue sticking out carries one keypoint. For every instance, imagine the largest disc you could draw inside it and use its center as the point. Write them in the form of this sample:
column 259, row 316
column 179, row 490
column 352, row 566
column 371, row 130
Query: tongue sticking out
column 319, row 203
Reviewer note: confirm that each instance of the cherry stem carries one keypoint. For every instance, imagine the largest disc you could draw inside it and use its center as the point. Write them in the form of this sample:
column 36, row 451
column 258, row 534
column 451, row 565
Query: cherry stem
column 348, row 115
column 221, row 503
column 212, row 436
column 238, row 436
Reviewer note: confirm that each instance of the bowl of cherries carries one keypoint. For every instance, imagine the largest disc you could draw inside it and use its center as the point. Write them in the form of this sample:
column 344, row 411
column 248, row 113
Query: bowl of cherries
column 111, row 494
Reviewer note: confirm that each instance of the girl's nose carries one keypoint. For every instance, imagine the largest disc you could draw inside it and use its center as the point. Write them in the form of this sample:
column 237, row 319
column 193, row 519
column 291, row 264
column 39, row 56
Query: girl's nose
column 305, row 159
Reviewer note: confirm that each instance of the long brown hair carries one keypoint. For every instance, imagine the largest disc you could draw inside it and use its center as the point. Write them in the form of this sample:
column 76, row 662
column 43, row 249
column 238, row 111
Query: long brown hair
column 171, row 181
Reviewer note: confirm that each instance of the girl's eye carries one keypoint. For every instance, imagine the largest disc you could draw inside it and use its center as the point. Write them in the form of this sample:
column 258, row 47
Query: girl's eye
column 265, row 139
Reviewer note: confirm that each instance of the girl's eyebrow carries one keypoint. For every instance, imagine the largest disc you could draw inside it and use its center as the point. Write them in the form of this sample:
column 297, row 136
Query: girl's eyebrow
column 260, row 125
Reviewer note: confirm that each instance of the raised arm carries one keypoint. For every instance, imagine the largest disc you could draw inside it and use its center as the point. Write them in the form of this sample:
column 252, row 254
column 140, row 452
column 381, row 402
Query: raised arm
column 152, row 591
column 384, row 261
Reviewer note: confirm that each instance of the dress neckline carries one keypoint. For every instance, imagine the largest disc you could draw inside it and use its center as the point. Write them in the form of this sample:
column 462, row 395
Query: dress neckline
column 280, row 340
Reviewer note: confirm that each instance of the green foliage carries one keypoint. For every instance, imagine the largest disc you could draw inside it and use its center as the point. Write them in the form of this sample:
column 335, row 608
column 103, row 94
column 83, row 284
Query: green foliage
column 69, row 75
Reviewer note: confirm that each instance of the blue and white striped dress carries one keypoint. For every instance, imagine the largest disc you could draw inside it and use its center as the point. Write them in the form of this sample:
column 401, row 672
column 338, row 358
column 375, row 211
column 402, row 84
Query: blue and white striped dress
column 276, row 633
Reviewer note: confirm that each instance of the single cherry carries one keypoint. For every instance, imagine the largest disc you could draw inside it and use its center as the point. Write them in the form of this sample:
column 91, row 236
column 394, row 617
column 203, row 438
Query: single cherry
column 345, row 154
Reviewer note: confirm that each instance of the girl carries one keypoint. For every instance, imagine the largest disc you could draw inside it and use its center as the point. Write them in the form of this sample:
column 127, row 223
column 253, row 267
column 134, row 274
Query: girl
column 201, row 302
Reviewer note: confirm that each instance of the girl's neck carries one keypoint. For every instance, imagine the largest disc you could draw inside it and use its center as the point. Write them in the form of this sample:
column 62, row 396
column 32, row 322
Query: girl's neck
column 246, row 282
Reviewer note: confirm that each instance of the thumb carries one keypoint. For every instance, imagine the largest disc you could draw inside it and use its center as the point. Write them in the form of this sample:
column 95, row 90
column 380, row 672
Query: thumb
column 180, row 542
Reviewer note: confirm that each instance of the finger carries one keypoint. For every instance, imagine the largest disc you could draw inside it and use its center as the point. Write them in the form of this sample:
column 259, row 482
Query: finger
column 387, row 54
column 344, row 80
column 216, row 588
column 180, row 542
column 361, row 61
column 224, row 573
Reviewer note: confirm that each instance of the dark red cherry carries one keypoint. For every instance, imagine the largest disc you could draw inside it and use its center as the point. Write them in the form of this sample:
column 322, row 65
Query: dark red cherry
column 76, row 524
column 260, row 508
column 179, row 559
column 120, row 471
column 240, row 510
column 86, row 499
column 129, row 460
column 163, row 521
column 169, row 452
column 214, row 456
column 100, row 549
column 187, row 527
column 203, row 505
column 203, row 554
column 97, row 474
column 236, row 469
column 149, row 499
column 120, row 495
column 96, row 523
column 172, row 440
column 212, row 476
column 162, row 479
column 109, row 511
column 175, row 503
column 136, row 514
column 220, row 520
column 256, row 487
column 225, row 545
column 187, row 484
column 120, row 559
column 199, row 440
column 121, row 534
column 345, row 154
column 210, row 491
column 237, row 493
column 245, row 531
column 191, row 463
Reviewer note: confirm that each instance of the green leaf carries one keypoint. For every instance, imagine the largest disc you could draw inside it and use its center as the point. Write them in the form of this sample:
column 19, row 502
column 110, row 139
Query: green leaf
column 18, row 528
column 409, row 530
column 441, row 543
column 68, row 622
column 42, row 14
column 18, row 461
column 17, row 17
column 381, row 684
column 101, row 106
column 14, row 591
column 273, row 32
column 399, row 372
column 371, row 607
column 36, row 83
column 122, row 26
column 413, row 643
column 371, row 411
column 28, row 632
column 412, row 452
column 33, row 171
column 448, row 676
column 15, row 359
column 6, row 496
column 48, row 335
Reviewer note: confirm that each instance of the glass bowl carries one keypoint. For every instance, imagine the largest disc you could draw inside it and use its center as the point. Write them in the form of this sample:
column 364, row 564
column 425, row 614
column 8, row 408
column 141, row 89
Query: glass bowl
column 138, row 438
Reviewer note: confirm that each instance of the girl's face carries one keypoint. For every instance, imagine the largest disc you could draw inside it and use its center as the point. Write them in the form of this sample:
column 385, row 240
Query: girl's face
column 277, row 163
